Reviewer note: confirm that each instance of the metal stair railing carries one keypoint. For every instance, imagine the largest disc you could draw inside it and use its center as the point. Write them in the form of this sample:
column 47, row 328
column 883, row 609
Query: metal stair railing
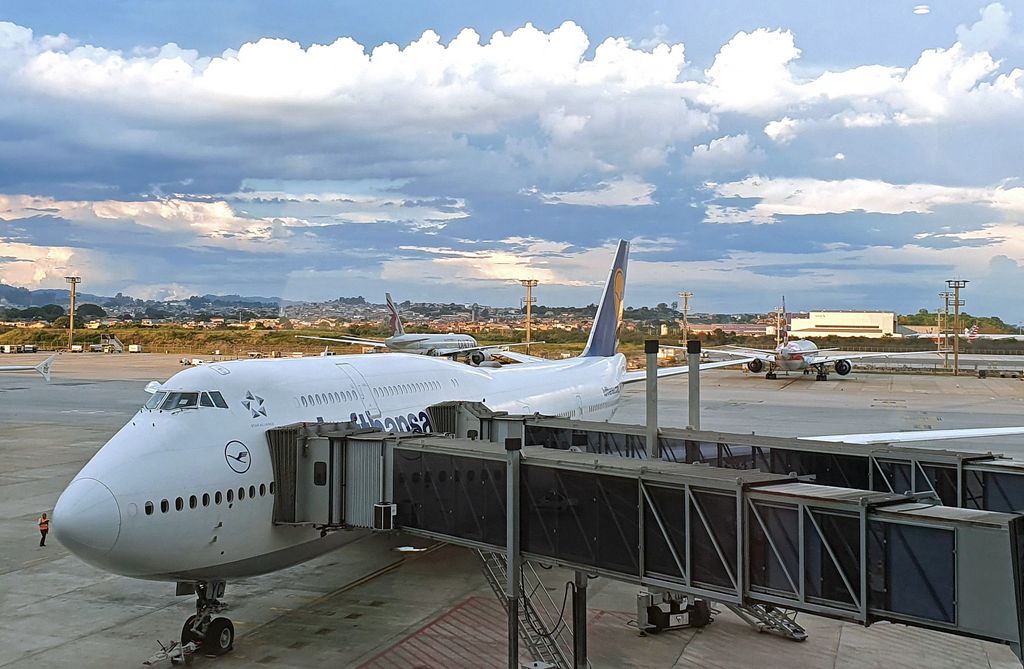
column 542, row 626
column 767, row 618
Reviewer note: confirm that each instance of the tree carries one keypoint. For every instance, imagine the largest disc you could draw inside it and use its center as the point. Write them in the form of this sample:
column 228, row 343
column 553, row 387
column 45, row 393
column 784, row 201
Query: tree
column 90, row 311
column 62, row 321
column 51, row 311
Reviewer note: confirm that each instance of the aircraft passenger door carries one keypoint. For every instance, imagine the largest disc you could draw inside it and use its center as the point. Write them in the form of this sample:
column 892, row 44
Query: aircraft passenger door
column 362, row 388
column 579, row 406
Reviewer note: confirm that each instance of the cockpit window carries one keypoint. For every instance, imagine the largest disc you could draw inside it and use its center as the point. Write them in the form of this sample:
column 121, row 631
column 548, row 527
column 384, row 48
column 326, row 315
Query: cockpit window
column 180, row 401
column 155, row 400
column 170, row 401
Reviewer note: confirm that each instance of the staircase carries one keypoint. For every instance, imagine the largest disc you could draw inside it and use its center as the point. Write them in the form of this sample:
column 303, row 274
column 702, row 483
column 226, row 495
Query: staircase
column 542, row 625
column 767, row 618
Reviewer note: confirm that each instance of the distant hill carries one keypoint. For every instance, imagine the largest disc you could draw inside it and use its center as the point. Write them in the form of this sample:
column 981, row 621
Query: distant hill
column 23, row 297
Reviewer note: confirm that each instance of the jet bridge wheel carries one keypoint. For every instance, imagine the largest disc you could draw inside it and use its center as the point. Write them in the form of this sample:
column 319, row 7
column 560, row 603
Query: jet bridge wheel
column 220, row 637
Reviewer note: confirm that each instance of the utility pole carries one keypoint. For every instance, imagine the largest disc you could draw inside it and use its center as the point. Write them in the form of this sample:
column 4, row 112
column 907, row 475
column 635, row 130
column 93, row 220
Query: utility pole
column 686, row 310
column 943, row 338
column 956, row 285
column 529, row 284
column 74, row 281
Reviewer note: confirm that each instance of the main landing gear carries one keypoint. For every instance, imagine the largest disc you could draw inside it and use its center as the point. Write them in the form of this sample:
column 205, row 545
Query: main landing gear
column 771, row 372
column 212, row 635
column 822, row 376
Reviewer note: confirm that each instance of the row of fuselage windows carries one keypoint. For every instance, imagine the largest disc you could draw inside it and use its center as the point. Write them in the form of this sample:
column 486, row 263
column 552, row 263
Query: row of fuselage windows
column 168, row 401
column 195, row 501
column 601, row 406
column 379, row 392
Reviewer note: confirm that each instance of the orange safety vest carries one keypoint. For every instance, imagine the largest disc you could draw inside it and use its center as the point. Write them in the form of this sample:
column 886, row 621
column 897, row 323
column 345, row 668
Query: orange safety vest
column 44, row 524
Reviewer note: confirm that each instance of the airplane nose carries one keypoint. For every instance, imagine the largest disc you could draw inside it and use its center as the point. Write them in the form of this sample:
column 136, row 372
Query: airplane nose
column 86, row 518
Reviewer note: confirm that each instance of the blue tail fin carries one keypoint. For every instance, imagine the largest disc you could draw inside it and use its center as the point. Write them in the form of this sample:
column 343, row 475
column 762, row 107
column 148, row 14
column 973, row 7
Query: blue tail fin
column 604, row 335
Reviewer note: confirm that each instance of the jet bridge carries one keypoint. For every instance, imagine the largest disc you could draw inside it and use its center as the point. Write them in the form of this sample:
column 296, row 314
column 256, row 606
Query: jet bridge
column 965, row 479
column 741, row 537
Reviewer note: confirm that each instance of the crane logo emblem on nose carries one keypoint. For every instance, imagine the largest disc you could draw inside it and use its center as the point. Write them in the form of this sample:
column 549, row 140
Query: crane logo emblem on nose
column 237, row 455
column 254, row 403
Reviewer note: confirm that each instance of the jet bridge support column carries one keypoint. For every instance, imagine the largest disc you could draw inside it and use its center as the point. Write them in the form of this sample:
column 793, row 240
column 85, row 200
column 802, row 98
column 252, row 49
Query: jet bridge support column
column 651, row 349
column 579, row 621
column 693, row 397
column 513, row 558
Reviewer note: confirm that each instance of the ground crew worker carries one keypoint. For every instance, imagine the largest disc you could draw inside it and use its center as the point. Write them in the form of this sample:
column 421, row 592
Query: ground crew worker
column 44, row 527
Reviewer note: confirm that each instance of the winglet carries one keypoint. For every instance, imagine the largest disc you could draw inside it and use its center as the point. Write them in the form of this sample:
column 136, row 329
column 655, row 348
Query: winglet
column 44, row 367
column 604, row 335
column 395, row 323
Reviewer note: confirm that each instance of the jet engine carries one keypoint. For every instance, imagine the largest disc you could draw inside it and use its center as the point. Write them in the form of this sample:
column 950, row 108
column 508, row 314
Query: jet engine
column 755, row 365
column 479, row 357
column 843, row 367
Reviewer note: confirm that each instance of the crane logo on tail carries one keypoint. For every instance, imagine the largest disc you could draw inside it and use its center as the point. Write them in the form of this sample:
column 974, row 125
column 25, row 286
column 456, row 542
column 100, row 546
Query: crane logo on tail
column 619, row 291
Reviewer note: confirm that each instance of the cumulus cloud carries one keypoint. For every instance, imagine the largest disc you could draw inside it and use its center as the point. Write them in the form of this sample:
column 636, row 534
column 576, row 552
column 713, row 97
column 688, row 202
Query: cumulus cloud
column 34, row 266
column 222, row 222
column 389, row 92
column 726, row 153
column 804, row 196
column 988, row 32
column 629, row 191
column 505, row 261
column 755, row 74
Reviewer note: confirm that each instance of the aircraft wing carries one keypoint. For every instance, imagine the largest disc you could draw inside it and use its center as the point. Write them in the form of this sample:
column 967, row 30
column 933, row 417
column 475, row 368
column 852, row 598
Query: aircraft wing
column 43, row 367
column 520, row 357
column 750, row 353
column 640, row 375
column 917, row 435
column 833, row 358
column 487, row 347
column 376, row 343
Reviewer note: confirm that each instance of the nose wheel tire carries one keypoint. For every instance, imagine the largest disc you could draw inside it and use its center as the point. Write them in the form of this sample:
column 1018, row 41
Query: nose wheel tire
column 220, row 637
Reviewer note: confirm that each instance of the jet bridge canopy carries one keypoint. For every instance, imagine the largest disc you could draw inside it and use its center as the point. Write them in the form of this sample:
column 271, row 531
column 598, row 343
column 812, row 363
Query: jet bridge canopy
column 956, row 478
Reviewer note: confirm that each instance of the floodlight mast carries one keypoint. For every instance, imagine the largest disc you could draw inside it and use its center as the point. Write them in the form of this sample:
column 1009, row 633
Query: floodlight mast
column 74, row 281
column 956, row 285
column 686, row 295
column 529, row 284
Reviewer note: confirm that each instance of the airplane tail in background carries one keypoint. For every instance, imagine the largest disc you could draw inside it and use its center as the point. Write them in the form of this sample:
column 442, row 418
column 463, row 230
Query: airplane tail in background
column 785, row 322
column 604, row 335
column 972, row 333
column 395, row 322
column 44, row 367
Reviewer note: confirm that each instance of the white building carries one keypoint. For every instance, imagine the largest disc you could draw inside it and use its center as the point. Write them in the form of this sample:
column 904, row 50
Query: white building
column 844, row 324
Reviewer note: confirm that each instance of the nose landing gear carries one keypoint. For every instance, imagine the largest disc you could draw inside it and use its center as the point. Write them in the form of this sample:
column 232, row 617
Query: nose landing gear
column 212, row 635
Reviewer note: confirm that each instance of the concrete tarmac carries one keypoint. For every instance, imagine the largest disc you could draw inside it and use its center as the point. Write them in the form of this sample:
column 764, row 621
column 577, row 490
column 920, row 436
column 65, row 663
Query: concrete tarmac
column 370, row 605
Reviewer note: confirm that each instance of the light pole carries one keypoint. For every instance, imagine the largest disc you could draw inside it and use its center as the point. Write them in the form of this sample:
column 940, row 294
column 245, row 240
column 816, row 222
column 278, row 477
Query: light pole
column 943, row 338
column 529, row 284
column 686, row 310
column 956, row 285
column 74, row 281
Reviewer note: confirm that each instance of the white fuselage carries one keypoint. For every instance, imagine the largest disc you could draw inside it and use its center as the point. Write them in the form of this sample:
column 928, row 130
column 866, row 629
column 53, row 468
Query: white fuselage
column 426, row 344
column 796, row 355
column 113, row 513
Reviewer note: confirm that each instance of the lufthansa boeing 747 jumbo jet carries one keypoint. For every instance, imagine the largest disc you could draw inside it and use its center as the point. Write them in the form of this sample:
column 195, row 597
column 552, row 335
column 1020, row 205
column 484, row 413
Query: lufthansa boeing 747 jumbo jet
column 442, row 345
column 184, row 491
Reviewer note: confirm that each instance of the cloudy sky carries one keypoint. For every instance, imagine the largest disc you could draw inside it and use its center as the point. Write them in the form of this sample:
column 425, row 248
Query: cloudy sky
column 846, row 155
